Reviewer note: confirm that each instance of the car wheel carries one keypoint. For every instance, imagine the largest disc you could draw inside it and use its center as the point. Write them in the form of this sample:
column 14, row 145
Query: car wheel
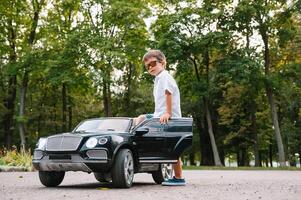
column 163, row 173
column 51, row 179
column 123, row 169
column 103, row 177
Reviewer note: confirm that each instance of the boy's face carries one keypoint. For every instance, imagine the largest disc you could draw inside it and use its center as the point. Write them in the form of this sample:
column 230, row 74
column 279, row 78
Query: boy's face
column 153, row 66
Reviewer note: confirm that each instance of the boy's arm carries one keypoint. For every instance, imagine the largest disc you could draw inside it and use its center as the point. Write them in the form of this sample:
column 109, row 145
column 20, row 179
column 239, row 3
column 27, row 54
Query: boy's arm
column 166, row 116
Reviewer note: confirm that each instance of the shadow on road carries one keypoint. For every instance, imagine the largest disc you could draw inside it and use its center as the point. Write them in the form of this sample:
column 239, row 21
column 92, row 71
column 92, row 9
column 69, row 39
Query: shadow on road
column 98, row 186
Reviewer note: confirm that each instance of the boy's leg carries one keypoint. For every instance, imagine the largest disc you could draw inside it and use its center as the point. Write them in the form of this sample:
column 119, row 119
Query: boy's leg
column 177, row 179
column 178, row 169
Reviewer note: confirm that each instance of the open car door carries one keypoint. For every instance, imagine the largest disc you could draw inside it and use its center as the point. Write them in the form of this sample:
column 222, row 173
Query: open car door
column 178, row 137
column 151, row 145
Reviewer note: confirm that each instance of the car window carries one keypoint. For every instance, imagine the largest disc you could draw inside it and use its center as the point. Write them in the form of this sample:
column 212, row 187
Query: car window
column 119, row 125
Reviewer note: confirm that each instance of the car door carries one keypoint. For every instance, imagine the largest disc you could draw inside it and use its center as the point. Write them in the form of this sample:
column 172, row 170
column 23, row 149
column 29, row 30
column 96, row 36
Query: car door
column 151, row 146
column 178, row 137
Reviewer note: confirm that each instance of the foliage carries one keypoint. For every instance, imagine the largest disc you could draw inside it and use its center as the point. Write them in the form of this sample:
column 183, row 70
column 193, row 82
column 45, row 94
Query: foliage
column 22, row 158
column 85, row 61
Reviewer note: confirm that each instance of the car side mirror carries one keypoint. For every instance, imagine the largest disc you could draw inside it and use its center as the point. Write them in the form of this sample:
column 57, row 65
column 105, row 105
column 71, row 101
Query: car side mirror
column 141, row 131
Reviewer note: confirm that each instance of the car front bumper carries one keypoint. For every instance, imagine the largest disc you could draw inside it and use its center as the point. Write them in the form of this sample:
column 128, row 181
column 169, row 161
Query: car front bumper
column 43, row 161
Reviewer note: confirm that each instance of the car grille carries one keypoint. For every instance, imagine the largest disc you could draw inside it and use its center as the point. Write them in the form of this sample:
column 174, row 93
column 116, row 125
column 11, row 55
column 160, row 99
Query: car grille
column 97, row 154
column 63, row 143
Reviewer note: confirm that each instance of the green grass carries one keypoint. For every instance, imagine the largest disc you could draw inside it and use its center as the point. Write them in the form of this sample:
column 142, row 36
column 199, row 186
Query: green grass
column 16, row 158
column 240, row 168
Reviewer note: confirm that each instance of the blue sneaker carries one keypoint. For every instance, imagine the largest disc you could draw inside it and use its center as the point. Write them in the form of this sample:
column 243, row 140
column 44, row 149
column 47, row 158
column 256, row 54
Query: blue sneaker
column 174, row 182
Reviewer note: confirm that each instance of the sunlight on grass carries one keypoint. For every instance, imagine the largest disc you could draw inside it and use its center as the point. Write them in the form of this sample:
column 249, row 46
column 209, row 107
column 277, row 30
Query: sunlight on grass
column 22, row 158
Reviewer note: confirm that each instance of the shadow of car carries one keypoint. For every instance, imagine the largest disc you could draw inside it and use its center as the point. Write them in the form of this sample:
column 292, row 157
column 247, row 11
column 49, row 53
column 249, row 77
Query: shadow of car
column 114, row 150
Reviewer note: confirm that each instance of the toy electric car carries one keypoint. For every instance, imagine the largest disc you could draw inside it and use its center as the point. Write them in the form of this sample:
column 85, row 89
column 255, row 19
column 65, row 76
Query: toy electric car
column 114, row 150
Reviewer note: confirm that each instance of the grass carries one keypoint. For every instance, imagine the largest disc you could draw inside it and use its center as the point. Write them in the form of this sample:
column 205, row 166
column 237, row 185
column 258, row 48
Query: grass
column 240, row 168
column 22, row 158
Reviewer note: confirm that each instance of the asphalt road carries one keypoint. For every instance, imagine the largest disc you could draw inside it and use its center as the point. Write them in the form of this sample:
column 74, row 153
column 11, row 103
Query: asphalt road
column 201, row 184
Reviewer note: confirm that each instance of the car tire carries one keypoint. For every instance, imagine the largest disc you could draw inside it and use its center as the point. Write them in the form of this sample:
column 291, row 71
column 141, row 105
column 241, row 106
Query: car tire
column 123, row 169
column 163, row 173
column 103, row 177
column 51, row 178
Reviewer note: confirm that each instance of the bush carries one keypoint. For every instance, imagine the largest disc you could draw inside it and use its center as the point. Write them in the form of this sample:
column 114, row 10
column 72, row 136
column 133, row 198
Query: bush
column 22, row 158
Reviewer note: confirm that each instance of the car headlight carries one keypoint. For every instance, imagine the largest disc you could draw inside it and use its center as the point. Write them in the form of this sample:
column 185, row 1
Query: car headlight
column 91, row 142
column 102, row 140
column 42, row 143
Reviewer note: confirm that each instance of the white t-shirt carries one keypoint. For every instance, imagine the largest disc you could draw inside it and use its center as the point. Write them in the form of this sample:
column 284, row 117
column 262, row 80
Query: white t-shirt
column 164, row 81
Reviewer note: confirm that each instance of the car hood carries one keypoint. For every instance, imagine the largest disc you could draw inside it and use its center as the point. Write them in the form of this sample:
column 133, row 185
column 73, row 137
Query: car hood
column 89, row 134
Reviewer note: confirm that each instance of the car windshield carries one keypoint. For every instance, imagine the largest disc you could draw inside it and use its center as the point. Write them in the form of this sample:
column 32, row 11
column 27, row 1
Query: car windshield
column 118, row 125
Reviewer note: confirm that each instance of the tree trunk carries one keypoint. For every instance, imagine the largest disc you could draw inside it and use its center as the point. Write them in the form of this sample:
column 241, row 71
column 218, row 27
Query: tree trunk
column 70, row 116
column 271, row 153
column 266, row 162
column 107, row 96
column 105, row 99
column 128, row 93
column 9, row 100
column 109, row 100
column 206, row 150
column 260, row 159
column 248, row 37
column 271, row 101
column 276, row 128
column 53, row 119
column 40, row 117
column 64, row 107
column 222, row 156
column 238, row 157
column 191, row 158
column 9, row 103
column 23, row 91
column 216, row 157
column 242, row 157
column 255, row 136
column 206, row 62
column 217, row 160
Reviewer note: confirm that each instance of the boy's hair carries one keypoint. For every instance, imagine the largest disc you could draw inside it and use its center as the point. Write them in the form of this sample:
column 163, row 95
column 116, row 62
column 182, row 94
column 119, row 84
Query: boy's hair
column 155, row 53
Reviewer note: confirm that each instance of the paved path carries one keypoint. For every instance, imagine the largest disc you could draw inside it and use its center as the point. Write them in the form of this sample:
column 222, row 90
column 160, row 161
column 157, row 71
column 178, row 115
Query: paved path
column 201, row 185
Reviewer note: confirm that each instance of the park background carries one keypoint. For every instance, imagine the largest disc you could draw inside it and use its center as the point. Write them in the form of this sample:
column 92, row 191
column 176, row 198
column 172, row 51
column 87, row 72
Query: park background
column 237, row 64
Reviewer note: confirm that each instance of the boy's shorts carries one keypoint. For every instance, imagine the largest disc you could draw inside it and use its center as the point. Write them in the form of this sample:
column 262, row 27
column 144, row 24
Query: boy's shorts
column 149, row 116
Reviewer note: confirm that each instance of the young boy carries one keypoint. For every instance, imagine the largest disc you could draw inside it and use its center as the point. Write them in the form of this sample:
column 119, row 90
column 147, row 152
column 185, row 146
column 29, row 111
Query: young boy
column 167, row 100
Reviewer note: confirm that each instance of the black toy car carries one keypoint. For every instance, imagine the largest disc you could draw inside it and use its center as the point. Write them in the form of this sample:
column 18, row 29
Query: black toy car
column 113, row 149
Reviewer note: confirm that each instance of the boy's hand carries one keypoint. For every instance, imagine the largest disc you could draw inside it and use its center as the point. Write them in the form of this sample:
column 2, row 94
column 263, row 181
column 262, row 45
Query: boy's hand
column 164, row 118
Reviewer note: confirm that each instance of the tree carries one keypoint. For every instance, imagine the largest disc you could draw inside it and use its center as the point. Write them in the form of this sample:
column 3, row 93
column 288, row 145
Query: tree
column 267, row 26
column 109, row 46
column 184, row 35
column 236, row 68
column 30, row 39
column 66, row 39
column 10, row 24
column 239, row 77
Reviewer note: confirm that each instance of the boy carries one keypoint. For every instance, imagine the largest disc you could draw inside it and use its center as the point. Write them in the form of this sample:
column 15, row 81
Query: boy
column 167, row 100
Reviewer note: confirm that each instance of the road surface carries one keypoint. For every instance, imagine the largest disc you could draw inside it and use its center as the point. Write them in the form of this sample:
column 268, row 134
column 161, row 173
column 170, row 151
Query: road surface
column 201, row 185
